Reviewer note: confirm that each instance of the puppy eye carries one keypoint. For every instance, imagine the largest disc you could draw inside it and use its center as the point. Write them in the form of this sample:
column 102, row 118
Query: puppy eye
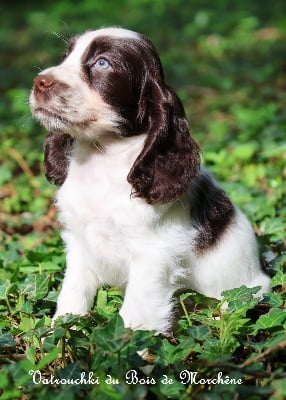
column 102, row 63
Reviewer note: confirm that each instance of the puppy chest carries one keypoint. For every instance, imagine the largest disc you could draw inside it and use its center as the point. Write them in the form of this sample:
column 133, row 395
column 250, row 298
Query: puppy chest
column 93, row 189
column 96, row 223
column 97, row 210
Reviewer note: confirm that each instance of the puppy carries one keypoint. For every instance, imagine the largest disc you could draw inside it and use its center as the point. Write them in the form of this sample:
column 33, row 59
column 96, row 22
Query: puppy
column 136, row 208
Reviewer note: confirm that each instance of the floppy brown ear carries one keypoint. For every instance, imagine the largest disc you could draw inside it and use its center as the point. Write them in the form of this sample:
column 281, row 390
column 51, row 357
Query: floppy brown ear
column 57, row 150
column 170, row 157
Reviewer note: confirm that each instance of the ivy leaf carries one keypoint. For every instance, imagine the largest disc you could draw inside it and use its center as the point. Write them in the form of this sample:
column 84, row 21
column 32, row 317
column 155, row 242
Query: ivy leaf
column 4, row 288
column 172, row 390
column 279, row 279
column 72, row 371
column 26, row 324
column 112, row 336
column 274, row 318
column 36, row 286
column 199, row 333
column 67, row 320
column 273, row 299
column 242, row 294
column 279, row 386
column 7, row 340
column 49, row 357
column 5, row 175
column 169, row 354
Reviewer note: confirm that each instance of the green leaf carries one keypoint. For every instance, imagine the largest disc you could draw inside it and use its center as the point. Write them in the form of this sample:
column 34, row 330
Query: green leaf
column 244, row 151
column 37, row 257
column 105, row 307
column 5, row 175
column 171, row 390
column 273, row 299
column 212, row 350
column 170, row 354
column 274, row 340
column 274, row 318
column 72, row 371
column 27, row 307
column 52, row 340
column 199, row 332
column 31, row 353
column 67, row 320
column 26, row 324
column 51, row 356
column 7, row 340
column 279, row 279
column 4, row 289
column 41, row 286
column 279, row 389
column 36, row 286
column 242, row 294
column 274, row 227
column 112, row 336
column 101, row 299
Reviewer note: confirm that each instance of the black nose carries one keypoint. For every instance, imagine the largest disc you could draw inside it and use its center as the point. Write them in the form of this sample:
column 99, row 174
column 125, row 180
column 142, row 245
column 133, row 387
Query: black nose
column 43, row 82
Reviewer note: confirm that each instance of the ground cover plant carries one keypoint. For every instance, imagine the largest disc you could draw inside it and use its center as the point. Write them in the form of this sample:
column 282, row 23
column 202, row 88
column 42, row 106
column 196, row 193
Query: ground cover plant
column 228, row 65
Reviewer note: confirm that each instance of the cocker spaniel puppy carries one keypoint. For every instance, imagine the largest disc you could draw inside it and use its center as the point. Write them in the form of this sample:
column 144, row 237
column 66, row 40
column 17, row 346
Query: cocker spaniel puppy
column 136, row 208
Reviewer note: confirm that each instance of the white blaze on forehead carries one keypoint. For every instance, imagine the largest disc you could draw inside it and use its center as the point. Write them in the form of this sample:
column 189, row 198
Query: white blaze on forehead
column 84, row 40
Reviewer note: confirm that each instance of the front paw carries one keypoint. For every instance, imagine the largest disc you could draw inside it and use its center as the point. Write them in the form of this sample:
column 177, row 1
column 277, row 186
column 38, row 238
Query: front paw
column 149, row 322
column 68, row 304
column 67, row 309
column 68, row 321
column 55, row 317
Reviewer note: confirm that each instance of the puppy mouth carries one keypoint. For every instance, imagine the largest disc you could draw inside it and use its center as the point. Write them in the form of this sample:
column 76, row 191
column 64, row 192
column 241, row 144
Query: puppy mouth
column 43, row 114
column 54, row 121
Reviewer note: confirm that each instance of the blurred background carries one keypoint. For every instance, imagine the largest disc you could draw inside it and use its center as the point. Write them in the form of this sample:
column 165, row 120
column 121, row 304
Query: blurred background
column 227, row 61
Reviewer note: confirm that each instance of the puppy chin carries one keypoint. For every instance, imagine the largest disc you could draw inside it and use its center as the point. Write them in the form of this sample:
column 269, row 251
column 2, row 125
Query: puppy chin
column 61, row 125
column 55, row 125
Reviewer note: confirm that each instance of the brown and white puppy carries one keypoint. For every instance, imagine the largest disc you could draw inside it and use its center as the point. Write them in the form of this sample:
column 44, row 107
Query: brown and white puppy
column 136, row 208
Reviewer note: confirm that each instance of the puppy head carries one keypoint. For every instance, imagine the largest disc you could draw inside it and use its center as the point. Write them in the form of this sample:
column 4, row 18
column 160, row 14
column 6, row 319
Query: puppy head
column 111, row 83
column 89, row 94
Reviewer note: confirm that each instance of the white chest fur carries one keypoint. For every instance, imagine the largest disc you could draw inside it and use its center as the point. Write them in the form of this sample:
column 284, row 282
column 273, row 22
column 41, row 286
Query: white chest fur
column 95, row 187
column 100, row 217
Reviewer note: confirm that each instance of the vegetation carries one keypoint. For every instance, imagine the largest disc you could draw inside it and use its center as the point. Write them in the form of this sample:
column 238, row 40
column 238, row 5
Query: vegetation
column 227, row 61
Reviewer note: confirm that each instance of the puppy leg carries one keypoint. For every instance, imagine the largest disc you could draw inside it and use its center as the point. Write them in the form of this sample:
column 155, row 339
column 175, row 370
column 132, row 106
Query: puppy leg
column 148, row 300
column 79, row 286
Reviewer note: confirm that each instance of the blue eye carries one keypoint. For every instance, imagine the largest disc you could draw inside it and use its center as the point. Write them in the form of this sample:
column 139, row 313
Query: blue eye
column 102, row 63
